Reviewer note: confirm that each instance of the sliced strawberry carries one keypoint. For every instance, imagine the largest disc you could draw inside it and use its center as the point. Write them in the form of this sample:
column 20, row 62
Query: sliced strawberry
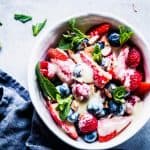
column 47, row 69
column 100, row 29
column 44, row 64
column 57, row 54
column 87, row 123
column 109, row 128
column 143, row 88
column 66, row 126
column 101, row 77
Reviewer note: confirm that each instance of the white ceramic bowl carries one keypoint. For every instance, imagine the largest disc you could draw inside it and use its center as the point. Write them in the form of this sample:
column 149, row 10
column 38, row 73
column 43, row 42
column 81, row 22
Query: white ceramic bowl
column 48, row 39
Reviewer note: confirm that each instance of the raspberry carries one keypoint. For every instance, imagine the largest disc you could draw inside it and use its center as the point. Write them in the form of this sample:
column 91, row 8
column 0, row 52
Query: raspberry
column 87, row 123
column 135, row 80
column 134, row 58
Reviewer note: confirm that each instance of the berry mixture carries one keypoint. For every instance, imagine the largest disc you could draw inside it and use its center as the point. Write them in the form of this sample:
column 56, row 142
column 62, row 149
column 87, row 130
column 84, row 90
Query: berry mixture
column 92, row 81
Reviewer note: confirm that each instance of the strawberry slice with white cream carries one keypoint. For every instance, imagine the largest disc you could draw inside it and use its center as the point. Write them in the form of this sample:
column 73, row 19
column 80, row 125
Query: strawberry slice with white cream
column 66, row 126
column 64, row 69
column 101, row 77
column 108, row 128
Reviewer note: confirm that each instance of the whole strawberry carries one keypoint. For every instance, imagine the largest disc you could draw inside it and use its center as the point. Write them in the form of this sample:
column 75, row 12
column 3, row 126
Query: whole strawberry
column 135, row 80
column 87, row 123
column 134, row 58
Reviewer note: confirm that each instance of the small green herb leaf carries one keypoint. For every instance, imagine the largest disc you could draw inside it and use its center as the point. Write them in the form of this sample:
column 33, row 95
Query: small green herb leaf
column 38, row 27
column 22, row 18
column 97, row 56
column 119, row 93
column 1, row 24
column 64, row 45
column 46, row 86
column 72, row 38
column 125, row 34
column 64, row 106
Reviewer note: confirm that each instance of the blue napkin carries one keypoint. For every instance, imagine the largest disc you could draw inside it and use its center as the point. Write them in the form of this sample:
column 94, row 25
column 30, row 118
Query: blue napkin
column 22, row 129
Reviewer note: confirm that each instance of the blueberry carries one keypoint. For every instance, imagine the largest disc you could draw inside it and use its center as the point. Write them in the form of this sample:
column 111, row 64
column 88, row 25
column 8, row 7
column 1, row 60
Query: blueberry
column 110, row 87
column 103, row 113
column 72, row 116
column 63, row 90
column 114, row 39
column 83, row 44
column 113, row 106
column 120, row 110
column 101, row 44
column 95, row 108
column 91, row 137
column 77, row 71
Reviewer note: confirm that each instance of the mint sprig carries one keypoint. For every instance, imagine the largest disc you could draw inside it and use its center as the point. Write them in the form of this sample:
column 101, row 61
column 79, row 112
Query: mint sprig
column 47, row 87
column 72, row 38
column 38, row 27
column 119, row 93
column 96, row 54
column 22, row 18
column 125, row 34
column 63, row 106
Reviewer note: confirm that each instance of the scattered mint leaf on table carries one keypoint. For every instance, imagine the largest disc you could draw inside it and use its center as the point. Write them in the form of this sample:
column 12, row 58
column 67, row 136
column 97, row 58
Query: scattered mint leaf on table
column 38, row 27
column 22, row 18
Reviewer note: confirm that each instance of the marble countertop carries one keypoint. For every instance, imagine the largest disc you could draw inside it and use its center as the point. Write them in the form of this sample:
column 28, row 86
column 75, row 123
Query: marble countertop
column 17, row 40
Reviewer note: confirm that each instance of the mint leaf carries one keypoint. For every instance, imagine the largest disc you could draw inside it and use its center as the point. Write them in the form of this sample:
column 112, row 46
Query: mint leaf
column 48, row 89
column 38, row 27
column 72, row 38
column 63, row 107
column 64, row 45
column 72, row 23
column 119, row 93
column 125, row 34
column 1, row 24
column 22, row 18
column 96, row 55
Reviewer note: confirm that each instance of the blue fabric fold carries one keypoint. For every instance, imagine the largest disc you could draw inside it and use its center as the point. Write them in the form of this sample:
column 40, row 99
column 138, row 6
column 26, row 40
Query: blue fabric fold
column 22, row 129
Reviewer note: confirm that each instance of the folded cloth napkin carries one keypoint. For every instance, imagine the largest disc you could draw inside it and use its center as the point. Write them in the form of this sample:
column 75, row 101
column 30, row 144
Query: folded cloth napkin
column 22, row 129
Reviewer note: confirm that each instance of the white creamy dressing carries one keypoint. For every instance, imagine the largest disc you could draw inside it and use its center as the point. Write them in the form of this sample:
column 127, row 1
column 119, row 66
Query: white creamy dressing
column 93, row 97
column 86, row 74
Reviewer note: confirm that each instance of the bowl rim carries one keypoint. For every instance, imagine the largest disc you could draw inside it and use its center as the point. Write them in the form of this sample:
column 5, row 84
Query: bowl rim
column 33, row 99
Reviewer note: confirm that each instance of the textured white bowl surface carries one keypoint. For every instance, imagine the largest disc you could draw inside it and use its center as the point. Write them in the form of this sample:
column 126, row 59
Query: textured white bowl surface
column 48, row 39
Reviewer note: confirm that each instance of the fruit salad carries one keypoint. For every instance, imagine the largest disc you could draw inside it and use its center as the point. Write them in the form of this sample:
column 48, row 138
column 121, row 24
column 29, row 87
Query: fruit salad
column 91, row 82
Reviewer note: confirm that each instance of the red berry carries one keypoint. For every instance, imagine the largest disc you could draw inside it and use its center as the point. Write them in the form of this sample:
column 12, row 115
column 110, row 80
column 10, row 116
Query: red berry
column 135, row 80
column 100, row 29
column 57, row 54
column 134, row 58
column 87, row 123
column 143, row 88
column 43, row 64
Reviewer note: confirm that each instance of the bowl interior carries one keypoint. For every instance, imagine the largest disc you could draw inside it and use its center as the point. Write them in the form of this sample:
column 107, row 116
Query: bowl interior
column 49, row 39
